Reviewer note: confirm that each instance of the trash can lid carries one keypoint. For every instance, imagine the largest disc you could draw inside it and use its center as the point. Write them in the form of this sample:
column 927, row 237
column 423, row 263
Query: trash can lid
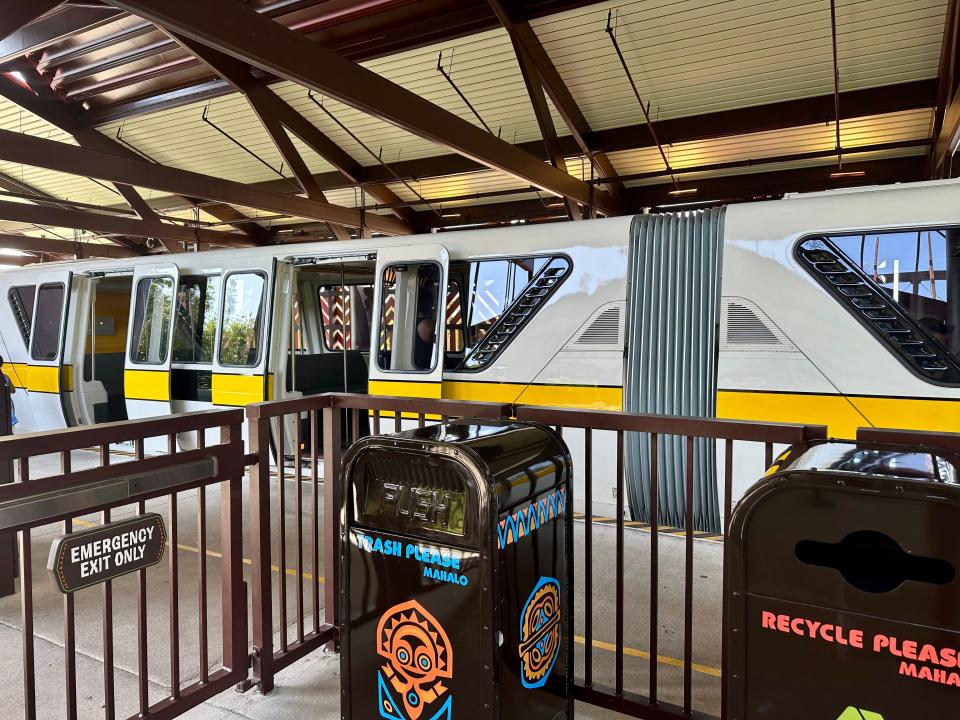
column 901, row 462
column 518, row 459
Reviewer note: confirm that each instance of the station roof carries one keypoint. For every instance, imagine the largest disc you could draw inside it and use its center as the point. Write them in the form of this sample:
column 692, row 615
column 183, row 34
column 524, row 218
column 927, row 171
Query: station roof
column 743, row 99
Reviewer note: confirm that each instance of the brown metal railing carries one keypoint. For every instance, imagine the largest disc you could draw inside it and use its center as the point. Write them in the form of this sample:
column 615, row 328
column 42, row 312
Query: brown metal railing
column 322, row 421
column 71, row 492
column 341, row 420
column 656, row 427
column 296, row 538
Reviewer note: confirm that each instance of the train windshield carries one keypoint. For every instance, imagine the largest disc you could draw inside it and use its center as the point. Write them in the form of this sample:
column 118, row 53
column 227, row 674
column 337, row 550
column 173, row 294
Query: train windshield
column 920, row 273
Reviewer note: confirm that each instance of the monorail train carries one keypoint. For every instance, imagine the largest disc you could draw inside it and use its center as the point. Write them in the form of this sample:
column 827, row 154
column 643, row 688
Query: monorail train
column 839, row 308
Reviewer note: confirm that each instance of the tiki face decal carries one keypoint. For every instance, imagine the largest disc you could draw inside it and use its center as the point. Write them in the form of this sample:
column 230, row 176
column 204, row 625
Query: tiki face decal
column 418, row 657
column 540, row 633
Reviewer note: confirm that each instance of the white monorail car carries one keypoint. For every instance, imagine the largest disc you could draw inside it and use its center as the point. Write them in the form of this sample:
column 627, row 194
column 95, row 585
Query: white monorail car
column 838, row 308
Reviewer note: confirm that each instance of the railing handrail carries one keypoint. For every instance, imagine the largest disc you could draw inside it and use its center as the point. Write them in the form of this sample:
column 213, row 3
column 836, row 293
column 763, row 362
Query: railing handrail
column 919, row 438
column 718, row 428
column 358, row 401
column 721, row 429
column 46, row 442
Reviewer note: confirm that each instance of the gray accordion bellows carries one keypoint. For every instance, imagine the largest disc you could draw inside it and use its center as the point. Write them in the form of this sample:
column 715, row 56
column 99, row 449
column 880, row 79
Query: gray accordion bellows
column 673, row 309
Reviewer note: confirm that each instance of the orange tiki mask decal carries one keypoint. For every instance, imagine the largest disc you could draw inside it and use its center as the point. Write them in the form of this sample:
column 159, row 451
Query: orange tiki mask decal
column 418, row 657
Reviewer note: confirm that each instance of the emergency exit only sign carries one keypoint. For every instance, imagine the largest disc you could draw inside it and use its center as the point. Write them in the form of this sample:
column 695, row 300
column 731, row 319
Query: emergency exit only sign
column 82, row 559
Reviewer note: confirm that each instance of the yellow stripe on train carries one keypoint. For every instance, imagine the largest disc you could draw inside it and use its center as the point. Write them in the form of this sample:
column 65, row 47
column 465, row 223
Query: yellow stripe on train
column 147, row 385
column 236, row 390
column 842, row 414
column 568, row 396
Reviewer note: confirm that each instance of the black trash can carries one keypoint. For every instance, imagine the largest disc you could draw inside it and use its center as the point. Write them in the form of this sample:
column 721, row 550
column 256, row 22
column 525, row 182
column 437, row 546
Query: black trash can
column 844, row 600
column 456, row 585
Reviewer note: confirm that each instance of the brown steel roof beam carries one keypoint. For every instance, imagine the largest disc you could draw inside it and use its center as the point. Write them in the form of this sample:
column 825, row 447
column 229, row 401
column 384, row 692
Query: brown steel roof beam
column 111, row 224
column 522, row 34
column 735, row 188
column 56, row 26
column 61, row 157
column 44, row 103
column 62, row 247
column 27, row 192
column 947, row 79
column 237, row 73
column 533, row 83
column 398, row 27
column 725, row 123
column 18, row 14
column 87, row 137
column 241, row 32
column 275, row 114
column 773, row 116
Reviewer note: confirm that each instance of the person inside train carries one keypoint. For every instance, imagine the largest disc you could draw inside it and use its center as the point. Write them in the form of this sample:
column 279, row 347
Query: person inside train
column 426, row 338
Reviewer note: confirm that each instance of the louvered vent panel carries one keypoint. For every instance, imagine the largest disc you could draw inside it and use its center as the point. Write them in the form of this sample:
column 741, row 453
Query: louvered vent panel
column 603, row 331
column 746, row 327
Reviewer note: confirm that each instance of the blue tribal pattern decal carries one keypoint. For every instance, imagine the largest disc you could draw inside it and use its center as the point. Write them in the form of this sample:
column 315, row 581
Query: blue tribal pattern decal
column 540, row 633
column 531, row 517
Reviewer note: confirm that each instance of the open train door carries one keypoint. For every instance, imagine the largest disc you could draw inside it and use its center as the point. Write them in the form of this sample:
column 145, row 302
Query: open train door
column 406, row 353
column 146, row 375
column 47, row 376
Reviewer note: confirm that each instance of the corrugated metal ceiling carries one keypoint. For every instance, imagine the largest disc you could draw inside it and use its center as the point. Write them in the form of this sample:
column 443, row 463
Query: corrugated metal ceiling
column 688, row 56
column 691, row 57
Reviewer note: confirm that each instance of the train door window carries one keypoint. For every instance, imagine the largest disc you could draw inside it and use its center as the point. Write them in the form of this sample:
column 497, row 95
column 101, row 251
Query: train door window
column 151, row 320
column 410, row 298
column 195, row 322
column 242, row 324
column 904, row 286
column 21, row 303
column 46, row 332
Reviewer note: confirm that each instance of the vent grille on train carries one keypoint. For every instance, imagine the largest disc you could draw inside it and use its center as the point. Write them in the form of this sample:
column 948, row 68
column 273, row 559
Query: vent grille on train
column 604, row 331
column 746, row 327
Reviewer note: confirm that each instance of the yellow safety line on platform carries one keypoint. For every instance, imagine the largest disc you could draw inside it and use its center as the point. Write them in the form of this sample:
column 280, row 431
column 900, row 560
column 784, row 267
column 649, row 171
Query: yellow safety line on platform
column 599, row 644
column 665, row 659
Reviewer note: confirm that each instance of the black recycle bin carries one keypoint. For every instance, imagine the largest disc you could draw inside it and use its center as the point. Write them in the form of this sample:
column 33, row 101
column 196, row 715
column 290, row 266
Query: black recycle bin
column 844, row 598
column 456, row 584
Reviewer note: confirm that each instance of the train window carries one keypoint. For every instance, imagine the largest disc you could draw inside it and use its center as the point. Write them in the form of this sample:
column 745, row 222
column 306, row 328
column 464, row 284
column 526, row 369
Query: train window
column 242, row 325
column 46, row 331
column 410, row 297
column 903, row 286
column 195, row 321
column 151, row 320
column 346, row 313
column 21, row 303
column 502, row 295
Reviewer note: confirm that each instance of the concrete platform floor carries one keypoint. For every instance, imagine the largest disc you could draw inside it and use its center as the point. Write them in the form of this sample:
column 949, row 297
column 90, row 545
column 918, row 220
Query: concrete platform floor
column 309, row 689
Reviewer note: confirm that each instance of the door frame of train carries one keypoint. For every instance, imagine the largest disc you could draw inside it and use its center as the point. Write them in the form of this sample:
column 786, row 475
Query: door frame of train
column 409, row 383
column 147, row 386
column 285, row 272
column 47, row 378
column 83, row 293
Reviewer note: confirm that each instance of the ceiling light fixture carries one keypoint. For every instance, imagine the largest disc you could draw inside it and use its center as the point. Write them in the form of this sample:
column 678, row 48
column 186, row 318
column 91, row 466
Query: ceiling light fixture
column 685, row 191
column 847, row 174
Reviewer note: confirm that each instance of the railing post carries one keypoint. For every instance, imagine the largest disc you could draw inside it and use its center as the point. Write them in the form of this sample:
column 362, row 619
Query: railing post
column 262, row 590
column 8, row 541
column 332, row 550
column 233, row 589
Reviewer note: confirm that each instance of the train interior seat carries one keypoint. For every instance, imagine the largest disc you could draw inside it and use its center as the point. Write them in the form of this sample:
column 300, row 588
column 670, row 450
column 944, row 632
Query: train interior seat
column 108, row 370
column 318, row 373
